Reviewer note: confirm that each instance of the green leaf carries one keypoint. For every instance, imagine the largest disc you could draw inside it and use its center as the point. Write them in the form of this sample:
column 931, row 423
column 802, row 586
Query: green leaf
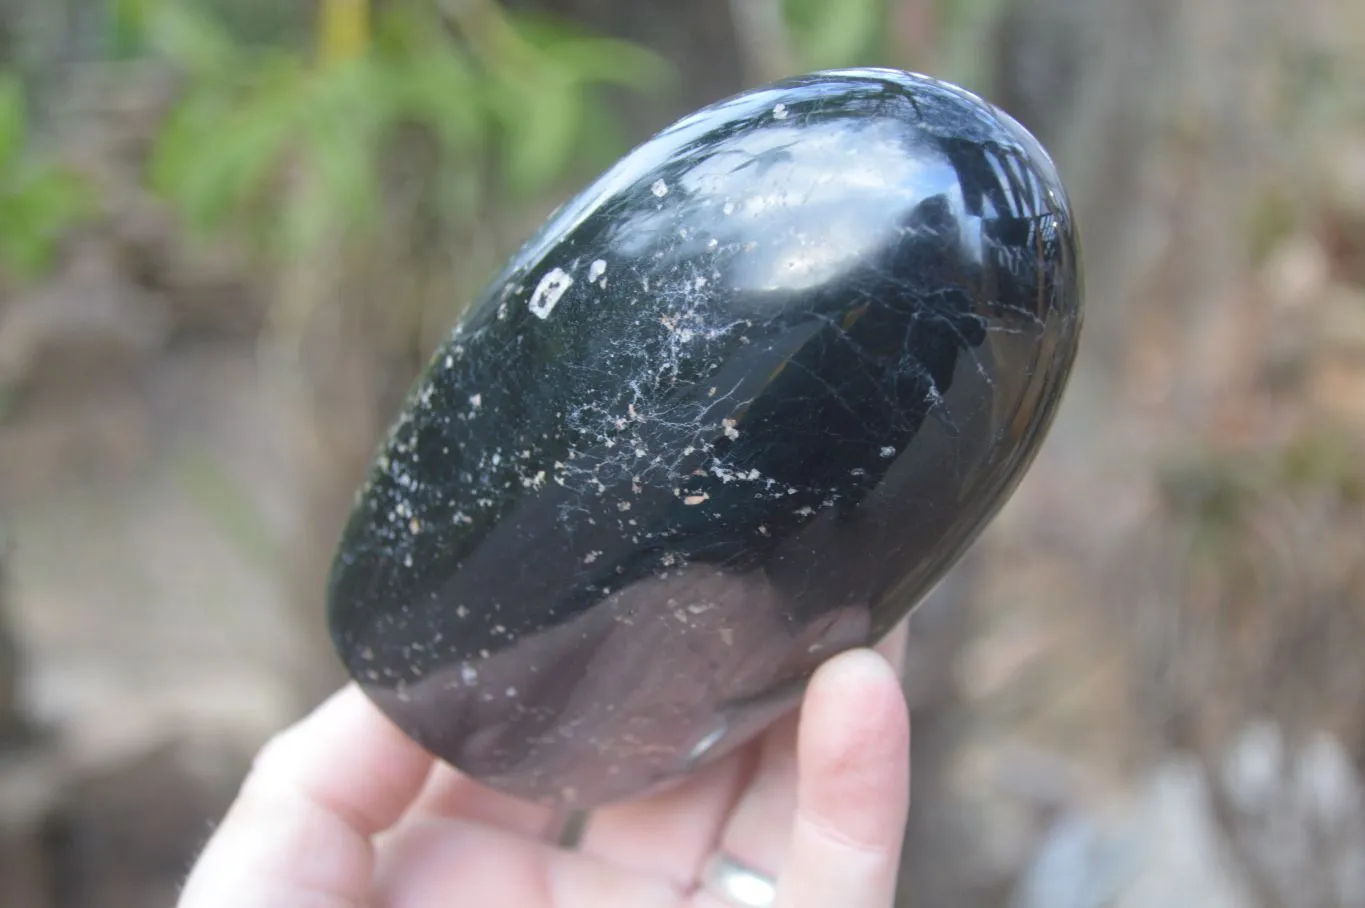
column 439, row 91
column 25, row 252
column 835, row 34
column 611, row 62
column 541, row 121
column 591, row 58
column 41, row 204
column 217, row 152
column 126, row 26
column 13, row 123
column 341, row 196
column 188, row 37
column 428, row 80
column 292, row 153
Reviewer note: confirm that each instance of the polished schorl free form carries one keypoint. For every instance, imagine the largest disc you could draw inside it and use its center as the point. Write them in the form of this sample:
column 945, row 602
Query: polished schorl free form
column 737, row 407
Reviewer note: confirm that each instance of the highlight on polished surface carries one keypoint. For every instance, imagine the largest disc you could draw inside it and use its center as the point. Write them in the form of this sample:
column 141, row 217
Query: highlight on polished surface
column 736, row 407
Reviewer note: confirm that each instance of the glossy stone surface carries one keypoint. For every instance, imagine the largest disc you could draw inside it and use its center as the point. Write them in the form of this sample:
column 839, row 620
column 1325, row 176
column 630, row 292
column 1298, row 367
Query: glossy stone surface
column 737, row 406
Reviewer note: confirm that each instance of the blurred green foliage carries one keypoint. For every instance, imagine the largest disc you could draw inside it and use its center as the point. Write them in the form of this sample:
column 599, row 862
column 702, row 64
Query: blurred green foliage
column 291, row 145
column 292, row 121
column 832, row 34
column 40, row 200
column 963, row 25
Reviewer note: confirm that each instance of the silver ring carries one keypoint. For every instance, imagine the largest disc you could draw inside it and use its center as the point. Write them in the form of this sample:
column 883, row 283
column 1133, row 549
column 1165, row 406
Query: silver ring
column 737, row 884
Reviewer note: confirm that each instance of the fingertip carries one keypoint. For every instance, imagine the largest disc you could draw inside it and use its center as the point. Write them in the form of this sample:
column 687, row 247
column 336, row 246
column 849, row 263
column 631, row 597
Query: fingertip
column 854, row 751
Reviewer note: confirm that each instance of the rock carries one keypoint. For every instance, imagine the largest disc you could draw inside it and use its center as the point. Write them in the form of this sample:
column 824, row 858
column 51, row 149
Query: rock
column 1292, row 807
column 737, row 407
column 1161, row 848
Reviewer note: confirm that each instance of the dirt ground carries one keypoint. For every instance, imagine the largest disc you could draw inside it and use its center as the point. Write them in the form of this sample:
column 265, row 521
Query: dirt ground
column 158, row 644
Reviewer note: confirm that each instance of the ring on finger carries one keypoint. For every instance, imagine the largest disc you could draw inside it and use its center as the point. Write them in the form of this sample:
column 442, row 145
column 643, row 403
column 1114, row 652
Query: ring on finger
column 736, row 883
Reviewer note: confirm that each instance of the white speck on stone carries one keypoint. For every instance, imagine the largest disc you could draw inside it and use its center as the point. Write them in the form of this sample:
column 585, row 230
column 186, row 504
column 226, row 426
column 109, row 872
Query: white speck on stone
column 730, row 431
column 728, row 208
column 511, row 692
column 806, row 511
column 407, row 561
column 660, row 188
column 596, row 270
column 696, row 499
column 888, row 451
column 780, row 112
column 476, row 401
column 591, row 557
column 469, row 674
column 461, row 611
column 549, row 291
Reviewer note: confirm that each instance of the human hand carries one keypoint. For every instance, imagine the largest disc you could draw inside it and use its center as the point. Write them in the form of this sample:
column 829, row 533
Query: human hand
column 342, row 810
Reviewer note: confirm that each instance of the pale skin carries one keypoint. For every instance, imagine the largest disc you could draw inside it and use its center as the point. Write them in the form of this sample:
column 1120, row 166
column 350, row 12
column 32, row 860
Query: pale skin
column 343, row 811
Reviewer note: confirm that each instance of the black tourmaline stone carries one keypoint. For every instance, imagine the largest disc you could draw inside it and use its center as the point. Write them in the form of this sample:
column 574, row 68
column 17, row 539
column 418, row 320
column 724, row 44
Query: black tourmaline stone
column 736, row 407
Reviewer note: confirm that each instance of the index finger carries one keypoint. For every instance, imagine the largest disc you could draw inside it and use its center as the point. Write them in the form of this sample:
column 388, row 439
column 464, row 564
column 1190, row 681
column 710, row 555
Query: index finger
column 300, row 830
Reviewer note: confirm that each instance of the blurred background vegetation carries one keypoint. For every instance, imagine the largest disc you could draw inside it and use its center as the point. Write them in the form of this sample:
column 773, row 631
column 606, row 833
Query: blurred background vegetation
column 232, row 230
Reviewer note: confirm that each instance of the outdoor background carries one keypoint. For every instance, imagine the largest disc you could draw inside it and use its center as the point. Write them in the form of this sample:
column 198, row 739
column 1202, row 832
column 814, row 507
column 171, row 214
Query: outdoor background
column 231, row 230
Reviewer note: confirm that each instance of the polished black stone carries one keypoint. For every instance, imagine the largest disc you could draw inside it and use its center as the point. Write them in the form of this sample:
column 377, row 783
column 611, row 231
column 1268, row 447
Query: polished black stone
column 736, row 407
